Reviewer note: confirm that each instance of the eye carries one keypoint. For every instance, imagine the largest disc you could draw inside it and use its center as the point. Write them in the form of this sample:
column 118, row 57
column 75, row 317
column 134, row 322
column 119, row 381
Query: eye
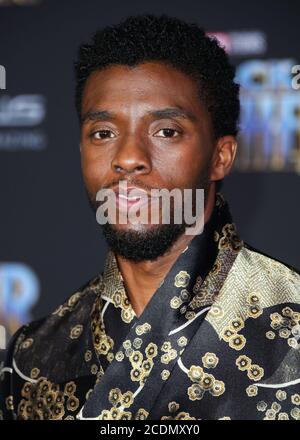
column 102, row 134
column 167, row 132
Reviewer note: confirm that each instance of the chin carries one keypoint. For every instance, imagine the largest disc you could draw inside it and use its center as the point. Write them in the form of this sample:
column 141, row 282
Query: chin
column 138, row 227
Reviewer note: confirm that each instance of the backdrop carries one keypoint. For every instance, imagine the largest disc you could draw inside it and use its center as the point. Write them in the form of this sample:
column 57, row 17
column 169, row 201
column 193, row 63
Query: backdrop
column 50, row 241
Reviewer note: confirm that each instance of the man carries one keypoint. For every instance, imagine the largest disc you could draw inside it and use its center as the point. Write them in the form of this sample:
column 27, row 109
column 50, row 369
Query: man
column 178, row 326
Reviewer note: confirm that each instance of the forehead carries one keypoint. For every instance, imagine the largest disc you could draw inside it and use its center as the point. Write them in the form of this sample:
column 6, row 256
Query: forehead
column 148, row 84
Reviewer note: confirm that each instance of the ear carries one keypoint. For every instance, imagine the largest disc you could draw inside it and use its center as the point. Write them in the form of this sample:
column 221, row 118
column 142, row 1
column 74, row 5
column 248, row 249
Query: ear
column 223, row 157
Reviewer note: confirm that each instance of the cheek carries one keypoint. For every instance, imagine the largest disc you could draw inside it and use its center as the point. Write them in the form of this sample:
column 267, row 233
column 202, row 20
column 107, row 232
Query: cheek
column 183, row 169
column 94, row 170
column 196, row 163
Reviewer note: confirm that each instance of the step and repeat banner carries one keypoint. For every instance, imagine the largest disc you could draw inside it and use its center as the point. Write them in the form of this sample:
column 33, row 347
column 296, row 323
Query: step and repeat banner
column 50, row 241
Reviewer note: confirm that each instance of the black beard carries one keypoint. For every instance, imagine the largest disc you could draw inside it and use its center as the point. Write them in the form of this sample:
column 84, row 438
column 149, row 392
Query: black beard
column 139, row 246
column 146, row 245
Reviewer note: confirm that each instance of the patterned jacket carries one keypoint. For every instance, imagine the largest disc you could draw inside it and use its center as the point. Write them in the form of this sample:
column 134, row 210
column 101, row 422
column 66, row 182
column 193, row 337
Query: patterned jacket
column 217, row 340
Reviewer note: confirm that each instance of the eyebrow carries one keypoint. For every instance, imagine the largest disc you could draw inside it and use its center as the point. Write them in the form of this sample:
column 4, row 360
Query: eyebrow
column 165, row 113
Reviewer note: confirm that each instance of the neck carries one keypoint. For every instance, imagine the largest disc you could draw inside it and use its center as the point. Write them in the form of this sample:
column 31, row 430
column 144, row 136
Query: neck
column 142, row 279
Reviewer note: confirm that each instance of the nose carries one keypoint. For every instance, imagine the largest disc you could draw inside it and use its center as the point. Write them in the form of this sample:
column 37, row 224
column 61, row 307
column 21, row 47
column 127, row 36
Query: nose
column 131, row 158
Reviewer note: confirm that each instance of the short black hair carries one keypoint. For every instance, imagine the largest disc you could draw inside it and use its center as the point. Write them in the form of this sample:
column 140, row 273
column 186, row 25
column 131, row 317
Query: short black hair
column 169, row 40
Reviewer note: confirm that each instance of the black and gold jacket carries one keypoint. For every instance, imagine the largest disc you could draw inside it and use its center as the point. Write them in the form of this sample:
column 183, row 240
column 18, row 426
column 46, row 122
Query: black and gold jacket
column 217, row 340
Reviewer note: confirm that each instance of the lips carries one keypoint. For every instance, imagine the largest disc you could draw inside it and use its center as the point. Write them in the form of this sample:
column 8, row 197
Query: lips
column 127, row 196
column 130, row 192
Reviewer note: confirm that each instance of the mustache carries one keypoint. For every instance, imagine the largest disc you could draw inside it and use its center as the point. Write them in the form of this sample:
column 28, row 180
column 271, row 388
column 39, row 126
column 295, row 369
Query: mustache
column 134, row 182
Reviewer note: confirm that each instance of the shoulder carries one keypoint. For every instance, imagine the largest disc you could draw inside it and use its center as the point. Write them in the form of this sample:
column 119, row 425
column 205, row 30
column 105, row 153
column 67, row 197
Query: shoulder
column 278, row 281
column 75, row 308
column 270, row 259
column 254, row 284
column 48, row 346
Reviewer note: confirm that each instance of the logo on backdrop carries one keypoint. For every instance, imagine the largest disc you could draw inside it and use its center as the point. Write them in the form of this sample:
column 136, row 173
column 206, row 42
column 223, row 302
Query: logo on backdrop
column 270, row 116
column 20, row 120
column 19, row 292
column 269, row 138
column 242, row 43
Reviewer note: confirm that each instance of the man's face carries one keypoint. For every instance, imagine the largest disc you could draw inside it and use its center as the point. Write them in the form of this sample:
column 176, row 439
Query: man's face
column 145, row 125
